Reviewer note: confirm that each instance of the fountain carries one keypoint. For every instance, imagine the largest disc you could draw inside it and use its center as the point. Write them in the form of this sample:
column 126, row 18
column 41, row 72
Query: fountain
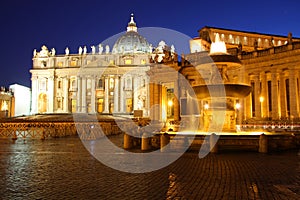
column 215, row 84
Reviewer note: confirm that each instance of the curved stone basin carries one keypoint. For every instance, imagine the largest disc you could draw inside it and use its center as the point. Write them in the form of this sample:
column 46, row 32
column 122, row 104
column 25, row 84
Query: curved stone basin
column 217, row 90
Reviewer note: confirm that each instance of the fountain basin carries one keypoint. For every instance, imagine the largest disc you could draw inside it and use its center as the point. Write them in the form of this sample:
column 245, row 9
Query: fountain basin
column 217, row 90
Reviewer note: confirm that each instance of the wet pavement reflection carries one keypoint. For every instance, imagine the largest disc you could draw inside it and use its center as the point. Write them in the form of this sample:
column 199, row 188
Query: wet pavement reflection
column 63, row 169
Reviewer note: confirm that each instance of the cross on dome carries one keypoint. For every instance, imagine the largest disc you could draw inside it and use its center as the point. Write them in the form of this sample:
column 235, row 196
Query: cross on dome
column 131, row 25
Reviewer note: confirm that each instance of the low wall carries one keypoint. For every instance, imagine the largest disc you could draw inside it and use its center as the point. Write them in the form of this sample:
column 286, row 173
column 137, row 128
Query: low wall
column 258, row 143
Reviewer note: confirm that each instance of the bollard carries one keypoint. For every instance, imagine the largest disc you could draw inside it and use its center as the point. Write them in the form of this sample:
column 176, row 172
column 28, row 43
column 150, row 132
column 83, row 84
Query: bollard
column 14, row 137
column 145, row 142
column 164, row 141
column 263, row 144
column 127, row 141
column 213, row 139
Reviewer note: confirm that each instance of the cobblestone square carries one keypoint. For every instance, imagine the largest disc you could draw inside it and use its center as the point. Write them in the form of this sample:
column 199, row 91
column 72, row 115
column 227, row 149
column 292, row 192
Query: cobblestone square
column 63, row 169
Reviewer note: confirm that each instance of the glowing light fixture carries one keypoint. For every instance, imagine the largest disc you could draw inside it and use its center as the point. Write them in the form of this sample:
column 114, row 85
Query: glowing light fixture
column 261, row 99
column 206, row 106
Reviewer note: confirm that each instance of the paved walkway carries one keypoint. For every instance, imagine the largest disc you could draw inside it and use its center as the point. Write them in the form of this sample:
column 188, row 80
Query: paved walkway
column 63, row 169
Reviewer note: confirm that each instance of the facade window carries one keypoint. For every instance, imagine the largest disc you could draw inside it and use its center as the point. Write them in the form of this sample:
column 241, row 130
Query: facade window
column 245, row 41
column 73, row 84
column 266, row 43
column 59, row 84
column 279, row 43
column 143, row 61
column 100, row 83
column 111, row 62
column 222, row 37
column 237, row 40
column 73, row 63
column 231, row 40
column 60, row 64
column 259, row 42
column 128, row 61
column 111, row 83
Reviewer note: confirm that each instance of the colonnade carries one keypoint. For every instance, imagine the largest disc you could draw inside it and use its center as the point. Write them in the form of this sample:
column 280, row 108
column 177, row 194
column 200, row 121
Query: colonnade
column 275, row 95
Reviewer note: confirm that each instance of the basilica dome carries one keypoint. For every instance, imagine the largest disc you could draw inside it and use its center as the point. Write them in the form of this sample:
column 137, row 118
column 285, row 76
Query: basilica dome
column 131, row 41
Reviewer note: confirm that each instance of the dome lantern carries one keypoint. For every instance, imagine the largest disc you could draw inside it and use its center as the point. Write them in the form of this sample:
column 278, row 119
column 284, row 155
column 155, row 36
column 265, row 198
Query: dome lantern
column 132, row 25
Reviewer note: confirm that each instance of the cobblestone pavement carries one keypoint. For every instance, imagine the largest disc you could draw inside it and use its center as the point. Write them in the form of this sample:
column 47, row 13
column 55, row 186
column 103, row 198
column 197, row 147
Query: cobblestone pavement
column 63, row 169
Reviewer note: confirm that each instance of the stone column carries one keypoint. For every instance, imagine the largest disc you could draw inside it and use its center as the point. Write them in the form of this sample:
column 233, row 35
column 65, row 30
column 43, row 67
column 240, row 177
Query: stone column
column 116, row 95
column 34, row 95
column 135, row 92
column 83, row 96
column 50, row 94
column 66, row 94
column 257, row 95
column 248, row 102
column 264, row 95
column 79, row 92
column 106, row 95
column 282, row 96
column 122, row 96
column 157, row 101
column 274, row 85
column 93, row 95
column 176, row 100
column 294, row 109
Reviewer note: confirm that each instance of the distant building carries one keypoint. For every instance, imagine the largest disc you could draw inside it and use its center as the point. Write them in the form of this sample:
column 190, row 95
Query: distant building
column 22, row 96
column 7, row 102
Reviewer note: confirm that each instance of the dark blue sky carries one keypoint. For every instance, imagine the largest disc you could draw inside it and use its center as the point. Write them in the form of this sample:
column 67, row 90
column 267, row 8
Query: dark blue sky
column 28, row 24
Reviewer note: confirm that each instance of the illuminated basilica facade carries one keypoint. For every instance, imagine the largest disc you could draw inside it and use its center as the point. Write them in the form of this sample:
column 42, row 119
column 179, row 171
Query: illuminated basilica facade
column 130, row 78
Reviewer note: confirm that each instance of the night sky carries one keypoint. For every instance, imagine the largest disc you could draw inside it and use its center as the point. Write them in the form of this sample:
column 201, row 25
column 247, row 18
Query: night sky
column 28, row 24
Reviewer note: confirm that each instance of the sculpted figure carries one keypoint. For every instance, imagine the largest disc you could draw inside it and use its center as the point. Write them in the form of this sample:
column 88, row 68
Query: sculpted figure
column 67, row 51
column 106, row 49
column 34, row 53
column 80, row 50
column 150, row 48
column 53, row 52
column 172, row 49
column 84, row 50
column 93, row 49
column 100, row 48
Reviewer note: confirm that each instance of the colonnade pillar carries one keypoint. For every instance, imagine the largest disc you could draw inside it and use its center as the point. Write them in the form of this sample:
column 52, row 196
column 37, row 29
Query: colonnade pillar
column 66, row 95
column 106, row 96
column 294, row 108
column 274, row 95
column 257, row 95
column 79, row 93
column 282, row 96
column 116, row 95
column 122, row 98
column 264, row 95
column 83, row 96
column 93, row 95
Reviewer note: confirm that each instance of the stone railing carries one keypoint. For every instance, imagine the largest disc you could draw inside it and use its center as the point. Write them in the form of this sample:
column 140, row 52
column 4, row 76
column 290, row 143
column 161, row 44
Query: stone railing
column 269, row 51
